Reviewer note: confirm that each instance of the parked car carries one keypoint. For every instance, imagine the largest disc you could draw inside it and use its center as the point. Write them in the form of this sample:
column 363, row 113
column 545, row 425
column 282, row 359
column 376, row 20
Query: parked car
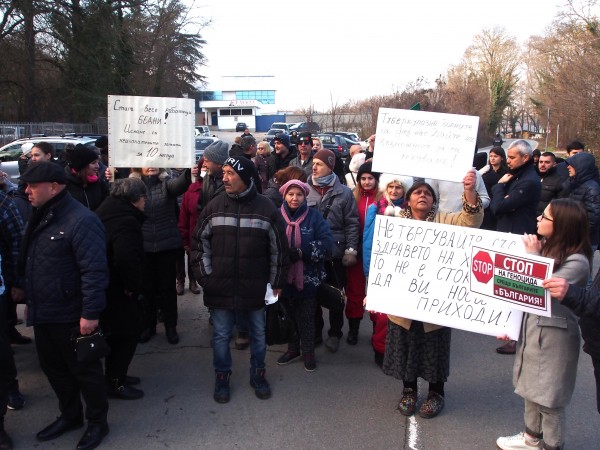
column 281, row 126
column 336, row 143
column 272, row 133
column 506, row 143
column 351, row 136
column 201, row 143
column 201, row 130
column 313, row 127
column 241, row 126
column 10, row 153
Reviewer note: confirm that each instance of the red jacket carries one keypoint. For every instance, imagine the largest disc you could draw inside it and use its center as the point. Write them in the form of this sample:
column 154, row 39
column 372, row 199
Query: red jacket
column 188, row 214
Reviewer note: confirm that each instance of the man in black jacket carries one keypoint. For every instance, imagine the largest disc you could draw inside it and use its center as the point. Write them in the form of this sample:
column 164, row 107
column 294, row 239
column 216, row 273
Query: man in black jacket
column 514, row 200
column 552, row 182
column 64, row 262
column 238, row 246
column 282, row 156
column 516, row 195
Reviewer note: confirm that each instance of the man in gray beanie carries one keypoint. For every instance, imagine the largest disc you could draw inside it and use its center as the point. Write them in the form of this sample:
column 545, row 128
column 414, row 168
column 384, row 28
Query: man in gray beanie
column 214, row 157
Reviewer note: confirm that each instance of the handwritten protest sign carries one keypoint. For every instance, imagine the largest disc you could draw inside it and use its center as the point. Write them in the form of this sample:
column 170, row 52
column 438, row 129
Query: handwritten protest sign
column 422, row 271
column 512, row 278
column 150, row 131
column 424, row 144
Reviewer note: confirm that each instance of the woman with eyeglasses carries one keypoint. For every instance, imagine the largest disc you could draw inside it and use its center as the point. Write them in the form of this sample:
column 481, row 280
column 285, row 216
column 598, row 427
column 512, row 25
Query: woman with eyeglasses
column 545, row 365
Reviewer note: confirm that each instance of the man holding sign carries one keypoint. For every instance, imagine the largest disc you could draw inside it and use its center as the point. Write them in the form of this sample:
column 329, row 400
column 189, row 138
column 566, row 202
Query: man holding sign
column 413, row 348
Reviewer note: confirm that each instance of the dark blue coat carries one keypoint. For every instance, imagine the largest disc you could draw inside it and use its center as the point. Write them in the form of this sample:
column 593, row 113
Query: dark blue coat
column 316, row 246
column 515, row 203
column 65, row 267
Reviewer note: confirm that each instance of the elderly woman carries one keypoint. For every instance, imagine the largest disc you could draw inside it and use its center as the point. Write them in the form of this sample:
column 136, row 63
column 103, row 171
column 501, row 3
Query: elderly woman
column 83, row 182
column 394, row 189
column 415, row 349
column 310, row 243
column 162, row 241
column 122, row 216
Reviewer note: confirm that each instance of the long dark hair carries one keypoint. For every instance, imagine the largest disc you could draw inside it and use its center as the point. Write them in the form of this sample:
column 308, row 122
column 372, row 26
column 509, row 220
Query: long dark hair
column 502, row 154
column 570, row 233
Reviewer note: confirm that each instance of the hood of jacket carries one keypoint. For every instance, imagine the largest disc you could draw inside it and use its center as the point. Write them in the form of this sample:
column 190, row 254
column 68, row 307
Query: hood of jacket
column 585, row 167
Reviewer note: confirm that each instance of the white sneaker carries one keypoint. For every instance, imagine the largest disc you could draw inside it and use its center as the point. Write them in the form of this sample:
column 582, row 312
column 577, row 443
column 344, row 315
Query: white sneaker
column 518, row 442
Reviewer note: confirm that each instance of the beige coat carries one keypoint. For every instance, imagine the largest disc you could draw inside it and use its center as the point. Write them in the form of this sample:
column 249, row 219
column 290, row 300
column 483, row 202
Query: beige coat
column 461, row 218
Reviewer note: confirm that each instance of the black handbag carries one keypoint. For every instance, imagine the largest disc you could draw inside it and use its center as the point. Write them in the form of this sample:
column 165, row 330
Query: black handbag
column 279, row 325
column 331, row 297
column 91, row 347
column 328, row 296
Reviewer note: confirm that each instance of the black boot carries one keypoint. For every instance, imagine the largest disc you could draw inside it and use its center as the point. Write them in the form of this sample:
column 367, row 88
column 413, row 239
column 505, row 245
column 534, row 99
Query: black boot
column 119, row 389
column 5, row 440
column 172, row 336
column 354, row 325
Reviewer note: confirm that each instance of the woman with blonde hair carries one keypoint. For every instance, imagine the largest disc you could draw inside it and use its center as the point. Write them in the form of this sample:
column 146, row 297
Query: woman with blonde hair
column 393, row 189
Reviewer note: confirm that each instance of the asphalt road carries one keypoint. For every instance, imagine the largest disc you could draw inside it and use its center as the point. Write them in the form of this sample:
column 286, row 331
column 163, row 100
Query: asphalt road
column 346, row 403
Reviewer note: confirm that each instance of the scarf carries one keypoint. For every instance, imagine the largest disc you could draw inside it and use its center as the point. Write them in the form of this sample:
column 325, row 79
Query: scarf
column 89, row 178
column 407, row 214
column 296, row 272
column 325, row 181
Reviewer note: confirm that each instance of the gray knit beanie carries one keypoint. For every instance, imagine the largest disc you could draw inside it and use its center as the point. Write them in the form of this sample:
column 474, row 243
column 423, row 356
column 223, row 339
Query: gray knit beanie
column 217, row 152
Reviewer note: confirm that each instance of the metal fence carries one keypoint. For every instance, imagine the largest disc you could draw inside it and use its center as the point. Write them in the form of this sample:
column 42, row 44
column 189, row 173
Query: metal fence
column 12, row 131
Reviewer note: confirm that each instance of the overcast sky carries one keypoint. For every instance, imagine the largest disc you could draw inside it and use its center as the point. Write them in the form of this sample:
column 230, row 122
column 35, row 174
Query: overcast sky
column 320, row 50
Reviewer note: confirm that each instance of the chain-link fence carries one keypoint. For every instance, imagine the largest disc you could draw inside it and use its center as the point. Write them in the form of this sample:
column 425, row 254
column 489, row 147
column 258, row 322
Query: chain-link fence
column 13, row 131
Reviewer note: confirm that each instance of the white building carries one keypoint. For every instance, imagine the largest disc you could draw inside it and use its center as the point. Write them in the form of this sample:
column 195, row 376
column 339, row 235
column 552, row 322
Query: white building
column 241, row 98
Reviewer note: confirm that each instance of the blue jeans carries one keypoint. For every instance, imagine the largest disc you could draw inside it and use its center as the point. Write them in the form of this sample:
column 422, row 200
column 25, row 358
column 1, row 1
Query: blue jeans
column 223, row 320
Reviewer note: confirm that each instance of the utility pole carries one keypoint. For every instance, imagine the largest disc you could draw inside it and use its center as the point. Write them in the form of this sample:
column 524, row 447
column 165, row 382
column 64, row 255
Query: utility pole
column 547, row 127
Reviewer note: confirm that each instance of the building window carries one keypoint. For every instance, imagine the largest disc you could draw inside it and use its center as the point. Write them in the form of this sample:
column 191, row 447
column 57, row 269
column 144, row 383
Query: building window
column 235, row 112
column 265, row 97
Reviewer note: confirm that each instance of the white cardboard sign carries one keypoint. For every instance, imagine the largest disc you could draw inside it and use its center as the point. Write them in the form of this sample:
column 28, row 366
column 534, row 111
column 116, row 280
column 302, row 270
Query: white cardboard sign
column 424, row 144
column 150, row 131
column 422, row 270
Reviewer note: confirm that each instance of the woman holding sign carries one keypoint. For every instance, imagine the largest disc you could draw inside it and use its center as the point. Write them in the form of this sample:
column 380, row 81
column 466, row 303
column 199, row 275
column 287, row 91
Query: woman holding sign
column 548, row 348
column 416, row 349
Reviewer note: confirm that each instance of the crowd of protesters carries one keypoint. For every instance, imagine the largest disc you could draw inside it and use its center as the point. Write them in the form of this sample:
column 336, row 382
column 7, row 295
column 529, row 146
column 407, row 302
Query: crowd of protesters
column 88, row 255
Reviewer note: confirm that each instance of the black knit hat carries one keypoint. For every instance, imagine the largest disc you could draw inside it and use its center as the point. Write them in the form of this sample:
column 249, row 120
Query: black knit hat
column 244, row 167
column 81, row 156
column 367, row 168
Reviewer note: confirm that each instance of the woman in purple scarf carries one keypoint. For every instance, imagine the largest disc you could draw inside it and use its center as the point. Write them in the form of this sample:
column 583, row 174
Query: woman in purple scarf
column 310, row 244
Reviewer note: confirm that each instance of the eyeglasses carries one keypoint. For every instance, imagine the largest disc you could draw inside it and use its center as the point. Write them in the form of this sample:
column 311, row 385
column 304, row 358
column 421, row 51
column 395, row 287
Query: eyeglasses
column 544, row 216
column 305, row 143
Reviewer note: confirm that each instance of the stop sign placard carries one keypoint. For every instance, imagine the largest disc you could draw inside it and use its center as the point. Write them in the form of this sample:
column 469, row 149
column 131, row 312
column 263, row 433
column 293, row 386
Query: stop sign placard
column 483, row 267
